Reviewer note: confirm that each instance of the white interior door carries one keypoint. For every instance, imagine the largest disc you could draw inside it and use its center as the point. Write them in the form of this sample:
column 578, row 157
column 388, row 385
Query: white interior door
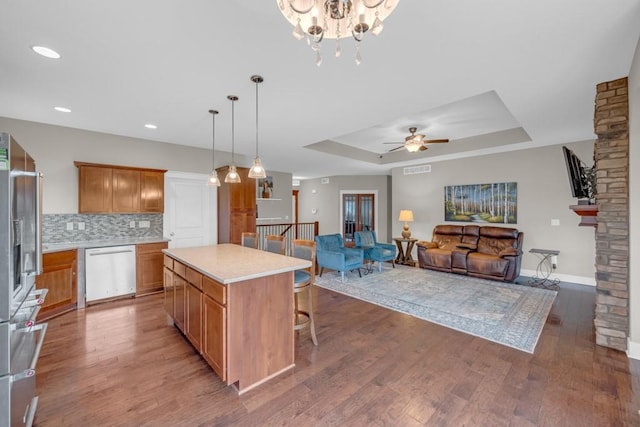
column 190, row 210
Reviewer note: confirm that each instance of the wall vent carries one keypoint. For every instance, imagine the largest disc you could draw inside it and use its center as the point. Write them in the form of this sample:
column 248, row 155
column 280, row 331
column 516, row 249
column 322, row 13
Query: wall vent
column 324, row 181
column 412, row 170
column 295, row 182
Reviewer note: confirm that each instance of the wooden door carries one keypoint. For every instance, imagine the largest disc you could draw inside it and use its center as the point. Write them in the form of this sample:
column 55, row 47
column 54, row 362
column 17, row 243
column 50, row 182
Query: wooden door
column 358, row 214
column 95, row 189
column 149, row 262
column 59, row 276
column 214, row 335
column 151, row 192
column 126, row 190
column 190, row 213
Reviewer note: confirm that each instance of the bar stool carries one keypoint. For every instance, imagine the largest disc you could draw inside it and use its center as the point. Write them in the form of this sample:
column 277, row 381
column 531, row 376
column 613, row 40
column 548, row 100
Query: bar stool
column 275, row 244
column 250, row 240
column 302, row 281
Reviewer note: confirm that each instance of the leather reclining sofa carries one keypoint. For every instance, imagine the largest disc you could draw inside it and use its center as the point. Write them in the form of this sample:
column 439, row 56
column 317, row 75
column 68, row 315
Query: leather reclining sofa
column 481, row 251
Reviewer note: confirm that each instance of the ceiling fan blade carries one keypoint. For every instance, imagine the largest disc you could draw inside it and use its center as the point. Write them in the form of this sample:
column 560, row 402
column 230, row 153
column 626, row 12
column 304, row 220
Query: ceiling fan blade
column 393, row 143
column 397, row 148
column 424, row 148
column 434, row 141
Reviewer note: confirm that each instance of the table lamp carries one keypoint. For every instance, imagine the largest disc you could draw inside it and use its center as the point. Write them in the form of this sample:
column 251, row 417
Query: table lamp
column 406, row 216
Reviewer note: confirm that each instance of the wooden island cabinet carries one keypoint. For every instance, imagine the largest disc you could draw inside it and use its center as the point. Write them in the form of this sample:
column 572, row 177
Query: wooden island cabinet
column 59, row 276
column 235, row 306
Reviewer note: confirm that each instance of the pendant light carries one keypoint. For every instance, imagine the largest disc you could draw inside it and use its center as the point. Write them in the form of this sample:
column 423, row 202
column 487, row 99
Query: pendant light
column 257, row 170
column 232, row 176
column 213, row 177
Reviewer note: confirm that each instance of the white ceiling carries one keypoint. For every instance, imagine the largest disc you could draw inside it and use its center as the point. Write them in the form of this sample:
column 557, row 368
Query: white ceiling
column 482, row 73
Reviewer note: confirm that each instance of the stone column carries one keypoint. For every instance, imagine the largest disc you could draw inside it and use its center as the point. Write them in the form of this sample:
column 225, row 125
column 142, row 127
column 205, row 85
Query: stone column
column 611, row 155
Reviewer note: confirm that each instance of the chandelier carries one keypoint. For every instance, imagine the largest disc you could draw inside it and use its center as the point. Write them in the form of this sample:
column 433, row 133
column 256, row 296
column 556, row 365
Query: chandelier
column 335, row 19
column 213, row 177
column 233, row 177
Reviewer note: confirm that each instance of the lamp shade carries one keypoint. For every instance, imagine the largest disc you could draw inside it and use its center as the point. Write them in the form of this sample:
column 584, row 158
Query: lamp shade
column 406, row 215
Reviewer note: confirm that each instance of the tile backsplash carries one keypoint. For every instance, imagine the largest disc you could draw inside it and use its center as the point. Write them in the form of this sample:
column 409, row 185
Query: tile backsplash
column 63, row 228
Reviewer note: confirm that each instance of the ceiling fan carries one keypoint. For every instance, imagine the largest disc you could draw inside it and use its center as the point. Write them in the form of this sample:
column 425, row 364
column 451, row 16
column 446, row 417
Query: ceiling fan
column 415, row 142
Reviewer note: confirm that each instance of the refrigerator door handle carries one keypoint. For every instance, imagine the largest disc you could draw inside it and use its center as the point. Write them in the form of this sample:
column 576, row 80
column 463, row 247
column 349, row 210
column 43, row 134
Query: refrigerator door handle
column 38, row 223
column 27, row 373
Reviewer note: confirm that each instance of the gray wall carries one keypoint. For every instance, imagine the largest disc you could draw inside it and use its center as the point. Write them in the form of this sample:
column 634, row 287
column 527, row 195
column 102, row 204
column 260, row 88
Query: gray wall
column 278, row 208
column 325, row 199
column 543, row 194
column 55, row 148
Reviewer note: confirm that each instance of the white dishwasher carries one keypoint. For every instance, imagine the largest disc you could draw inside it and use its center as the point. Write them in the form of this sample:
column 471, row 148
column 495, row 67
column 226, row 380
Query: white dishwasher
column 110, row 272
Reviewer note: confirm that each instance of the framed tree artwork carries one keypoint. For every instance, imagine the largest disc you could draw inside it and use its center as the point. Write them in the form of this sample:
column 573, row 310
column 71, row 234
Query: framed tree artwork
column 482, row 203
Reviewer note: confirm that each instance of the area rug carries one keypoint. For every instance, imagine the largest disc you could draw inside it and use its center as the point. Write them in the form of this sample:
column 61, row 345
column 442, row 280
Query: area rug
column 508, row 314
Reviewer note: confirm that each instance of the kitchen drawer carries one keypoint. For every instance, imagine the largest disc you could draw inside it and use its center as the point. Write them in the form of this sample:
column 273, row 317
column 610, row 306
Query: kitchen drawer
column 215, row 290
column 194, row 278
column 18, row 388
column 180, row 269
column 168, row 262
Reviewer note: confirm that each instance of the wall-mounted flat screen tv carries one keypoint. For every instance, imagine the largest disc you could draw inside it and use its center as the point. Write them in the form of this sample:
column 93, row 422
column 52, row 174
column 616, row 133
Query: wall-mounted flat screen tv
column 577, row 176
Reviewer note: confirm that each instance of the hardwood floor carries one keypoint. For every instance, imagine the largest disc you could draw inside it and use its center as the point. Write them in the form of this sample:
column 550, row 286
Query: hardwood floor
column 120, row 364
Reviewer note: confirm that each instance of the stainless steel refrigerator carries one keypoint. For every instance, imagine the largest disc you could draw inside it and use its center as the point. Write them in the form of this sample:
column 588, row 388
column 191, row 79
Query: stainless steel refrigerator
column 20, row 262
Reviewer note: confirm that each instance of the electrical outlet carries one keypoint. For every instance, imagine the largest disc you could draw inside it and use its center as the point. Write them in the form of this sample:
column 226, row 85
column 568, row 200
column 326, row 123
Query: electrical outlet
column 69, row 226
column 554, row 262
column 132, row 224
column 81, row 226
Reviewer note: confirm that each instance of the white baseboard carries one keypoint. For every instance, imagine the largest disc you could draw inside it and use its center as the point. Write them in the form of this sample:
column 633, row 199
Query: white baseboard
column 633, row 349
column 589, row 281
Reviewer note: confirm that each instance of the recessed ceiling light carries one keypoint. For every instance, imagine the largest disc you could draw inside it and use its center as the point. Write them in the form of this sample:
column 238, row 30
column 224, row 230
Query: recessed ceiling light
column 151, row 126
column 46, row 52
column 62, row 109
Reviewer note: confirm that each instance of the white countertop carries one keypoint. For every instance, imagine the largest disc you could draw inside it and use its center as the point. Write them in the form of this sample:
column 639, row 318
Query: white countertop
column 229, row 263
column 58, row 247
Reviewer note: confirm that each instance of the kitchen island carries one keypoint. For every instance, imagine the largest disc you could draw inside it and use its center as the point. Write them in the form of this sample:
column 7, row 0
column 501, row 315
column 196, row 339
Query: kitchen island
column 235, row 305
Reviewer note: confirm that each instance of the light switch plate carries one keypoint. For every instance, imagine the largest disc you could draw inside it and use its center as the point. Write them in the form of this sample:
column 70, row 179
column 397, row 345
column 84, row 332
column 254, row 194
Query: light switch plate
column 144, row 224
column 555, row 222
column 69, row 226
column 81, row 226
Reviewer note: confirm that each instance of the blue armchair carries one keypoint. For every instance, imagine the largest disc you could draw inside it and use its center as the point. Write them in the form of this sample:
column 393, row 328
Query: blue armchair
column 373, row 250
column 331, row 253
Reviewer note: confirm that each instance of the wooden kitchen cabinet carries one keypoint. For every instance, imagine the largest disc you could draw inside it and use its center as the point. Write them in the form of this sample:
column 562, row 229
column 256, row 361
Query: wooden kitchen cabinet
column 179, row 299
column 236, row 207
column 168, row 292
column 214, row 319
column 95, row 189
column 126, row 190
column 193, row 309
column 59, row 276
column 149, row 267
column 151, row 191
column 194, row 316
column 119, row 189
